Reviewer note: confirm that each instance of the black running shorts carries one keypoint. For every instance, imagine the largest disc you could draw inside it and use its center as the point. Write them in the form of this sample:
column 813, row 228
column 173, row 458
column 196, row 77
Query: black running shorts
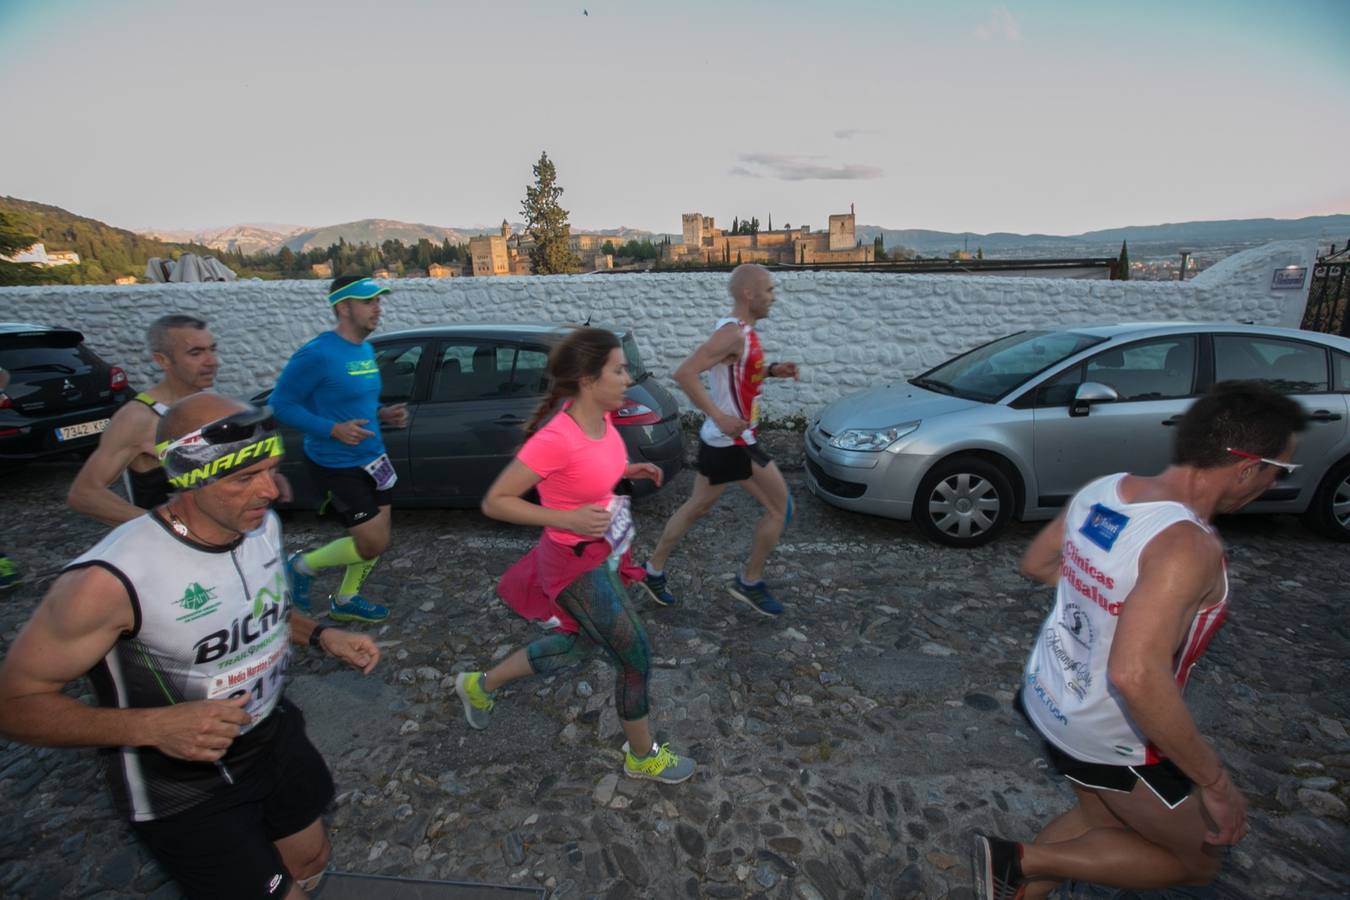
column 1168, row 783
column 228, row 853
column 722, row 465
column 350, row 493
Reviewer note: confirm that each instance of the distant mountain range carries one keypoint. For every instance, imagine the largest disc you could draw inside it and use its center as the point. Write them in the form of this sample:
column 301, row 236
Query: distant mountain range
column 265, row 238
column 1144, row 240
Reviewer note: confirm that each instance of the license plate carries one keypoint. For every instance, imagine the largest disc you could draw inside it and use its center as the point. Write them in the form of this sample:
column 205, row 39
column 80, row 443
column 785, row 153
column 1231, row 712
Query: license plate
column 84, row 429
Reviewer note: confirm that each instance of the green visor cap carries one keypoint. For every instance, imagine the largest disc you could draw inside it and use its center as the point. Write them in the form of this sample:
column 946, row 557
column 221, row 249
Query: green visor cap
column 365, row 289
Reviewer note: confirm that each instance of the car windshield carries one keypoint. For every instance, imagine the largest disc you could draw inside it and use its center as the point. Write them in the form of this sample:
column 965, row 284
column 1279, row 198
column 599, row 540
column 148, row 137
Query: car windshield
column 636, row 370
column 989, row 372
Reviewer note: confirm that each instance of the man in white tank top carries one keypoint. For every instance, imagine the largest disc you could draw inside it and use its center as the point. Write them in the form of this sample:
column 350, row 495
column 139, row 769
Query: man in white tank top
column 728, row 451
column 181, row 618
column 1140, row 589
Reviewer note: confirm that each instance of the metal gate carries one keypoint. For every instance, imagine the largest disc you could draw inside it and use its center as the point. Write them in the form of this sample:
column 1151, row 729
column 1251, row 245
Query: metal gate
column 1329, row 294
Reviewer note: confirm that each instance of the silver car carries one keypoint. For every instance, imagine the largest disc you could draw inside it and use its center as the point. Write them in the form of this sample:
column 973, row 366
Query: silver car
column 1015, row 427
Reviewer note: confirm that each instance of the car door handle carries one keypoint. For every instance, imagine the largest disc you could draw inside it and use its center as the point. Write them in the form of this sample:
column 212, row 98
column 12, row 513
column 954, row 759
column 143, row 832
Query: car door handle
column 1324, row 415
column 509, row 419
column 1172, row 421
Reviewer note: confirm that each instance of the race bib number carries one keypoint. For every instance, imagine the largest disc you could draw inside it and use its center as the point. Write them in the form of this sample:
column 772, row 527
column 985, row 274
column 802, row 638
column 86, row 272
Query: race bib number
column 619, row 534
column 382, row 470
column 260, row 679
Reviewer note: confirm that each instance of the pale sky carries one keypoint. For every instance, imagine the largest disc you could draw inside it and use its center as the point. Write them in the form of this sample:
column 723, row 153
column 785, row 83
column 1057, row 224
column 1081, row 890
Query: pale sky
column 1055, row 117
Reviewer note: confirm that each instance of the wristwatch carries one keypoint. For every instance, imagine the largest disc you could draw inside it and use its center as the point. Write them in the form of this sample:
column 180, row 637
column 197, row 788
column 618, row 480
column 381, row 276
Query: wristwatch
column 314, row 635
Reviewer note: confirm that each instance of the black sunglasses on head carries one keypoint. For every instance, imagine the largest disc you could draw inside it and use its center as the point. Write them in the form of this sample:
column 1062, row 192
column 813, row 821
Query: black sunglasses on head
column 240, row 426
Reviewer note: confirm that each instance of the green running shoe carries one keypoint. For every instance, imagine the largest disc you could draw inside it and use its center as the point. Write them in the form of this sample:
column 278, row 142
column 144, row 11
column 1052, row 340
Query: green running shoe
column 9, row 575
column 357, row 609
column 478, row 703
column 661, row 765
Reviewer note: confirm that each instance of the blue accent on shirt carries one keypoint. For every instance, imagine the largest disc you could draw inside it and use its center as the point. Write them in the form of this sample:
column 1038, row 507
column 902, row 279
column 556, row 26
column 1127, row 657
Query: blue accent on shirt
column 331, row 380
column 1103, row 526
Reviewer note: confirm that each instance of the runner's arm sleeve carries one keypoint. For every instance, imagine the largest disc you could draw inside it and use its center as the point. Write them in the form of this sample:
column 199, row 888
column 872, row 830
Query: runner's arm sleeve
column 297, row 382
column 544, row 453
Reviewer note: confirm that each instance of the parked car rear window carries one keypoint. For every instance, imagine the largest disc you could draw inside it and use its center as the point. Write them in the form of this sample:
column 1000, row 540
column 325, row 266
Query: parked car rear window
column 987, row 373
column 1290, row 367
column 44, row 355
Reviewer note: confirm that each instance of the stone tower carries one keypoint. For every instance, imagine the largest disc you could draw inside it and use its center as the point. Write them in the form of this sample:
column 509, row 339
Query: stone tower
column 693, row 229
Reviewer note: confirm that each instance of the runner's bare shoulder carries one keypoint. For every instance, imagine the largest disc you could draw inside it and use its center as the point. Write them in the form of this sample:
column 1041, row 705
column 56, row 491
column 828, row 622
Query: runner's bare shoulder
column 727, row 341
column 133, row 424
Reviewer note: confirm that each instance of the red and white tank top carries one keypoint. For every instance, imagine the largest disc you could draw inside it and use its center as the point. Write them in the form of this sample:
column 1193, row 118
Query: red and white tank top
column 1066, row 691
column 735, row 387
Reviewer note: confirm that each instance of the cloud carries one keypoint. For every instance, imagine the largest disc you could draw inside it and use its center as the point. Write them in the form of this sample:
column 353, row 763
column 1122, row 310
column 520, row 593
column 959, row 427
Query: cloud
column 845, row 134
column 1000, row 24
column 789, row 167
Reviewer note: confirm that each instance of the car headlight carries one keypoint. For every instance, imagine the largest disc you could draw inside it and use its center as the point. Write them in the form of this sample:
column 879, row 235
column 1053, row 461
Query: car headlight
column 871, row 439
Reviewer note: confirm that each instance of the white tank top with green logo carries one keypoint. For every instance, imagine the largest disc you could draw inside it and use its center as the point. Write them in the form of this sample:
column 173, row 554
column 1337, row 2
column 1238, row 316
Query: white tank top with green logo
column 211, row 623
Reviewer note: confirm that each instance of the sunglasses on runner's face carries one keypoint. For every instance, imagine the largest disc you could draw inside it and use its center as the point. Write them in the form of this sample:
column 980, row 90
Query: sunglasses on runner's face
column 241, row 426
column 1286, row 468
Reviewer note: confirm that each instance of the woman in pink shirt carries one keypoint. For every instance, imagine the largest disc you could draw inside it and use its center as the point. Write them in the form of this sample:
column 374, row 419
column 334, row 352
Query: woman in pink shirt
column 574, row 579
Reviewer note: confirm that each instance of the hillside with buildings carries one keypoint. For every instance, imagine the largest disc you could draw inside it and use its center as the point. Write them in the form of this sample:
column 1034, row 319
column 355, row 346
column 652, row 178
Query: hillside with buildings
column 1145, row 241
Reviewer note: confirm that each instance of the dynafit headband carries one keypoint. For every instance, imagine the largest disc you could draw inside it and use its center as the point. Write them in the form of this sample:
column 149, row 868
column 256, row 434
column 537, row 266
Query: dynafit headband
column 220, row 448
column 365, row 289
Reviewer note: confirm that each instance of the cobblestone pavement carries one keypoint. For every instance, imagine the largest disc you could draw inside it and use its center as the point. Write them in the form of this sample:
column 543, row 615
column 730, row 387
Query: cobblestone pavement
column 846, row 749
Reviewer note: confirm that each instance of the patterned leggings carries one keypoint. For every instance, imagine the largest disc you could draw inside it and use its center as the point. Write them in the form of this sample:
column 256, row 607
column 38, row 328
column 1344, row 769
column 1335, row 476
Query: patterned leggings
column 599, row 603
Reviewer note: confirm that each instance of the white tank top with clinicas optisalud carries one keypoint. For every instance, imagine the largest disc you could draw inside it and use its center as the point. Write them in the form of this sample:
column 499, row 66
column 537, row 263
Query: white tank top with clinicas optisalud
column 1066, row 691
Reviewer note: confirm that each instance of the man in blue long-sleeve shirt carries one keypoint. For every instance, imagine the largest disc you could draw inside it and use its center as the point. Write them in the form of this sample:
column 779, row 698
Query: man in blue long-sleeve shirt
column 330, row 390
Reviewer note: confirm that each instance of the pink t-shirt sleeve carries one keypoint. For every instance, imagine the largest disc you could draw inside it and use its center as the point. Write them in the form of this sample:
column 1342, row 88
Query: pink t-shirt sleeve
column 546, row 451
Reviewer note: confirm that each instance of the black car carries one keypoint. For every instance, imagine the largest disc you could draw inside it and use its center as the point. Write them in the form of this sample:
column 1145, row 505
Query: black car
column 60, row 394
column 470, row 389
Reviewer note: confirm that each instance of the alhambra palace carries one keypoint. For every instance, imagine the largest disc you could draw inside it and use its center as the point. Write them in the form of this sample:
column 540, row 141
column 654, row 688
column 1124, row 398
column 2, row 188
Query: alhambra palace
column 702, row 242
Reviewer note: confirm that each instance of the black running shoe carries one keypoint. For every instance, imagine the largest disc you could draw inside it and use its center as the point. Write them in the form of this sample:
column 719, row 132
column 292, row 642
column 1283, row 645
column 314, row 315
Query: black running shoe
column 997, row 866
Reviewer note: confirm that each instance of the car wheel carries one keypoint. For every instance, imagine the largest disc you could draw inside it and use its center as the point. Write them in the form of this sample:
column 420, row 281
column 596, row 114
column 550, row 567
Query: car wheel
column 1329, row 512
column 963, row 502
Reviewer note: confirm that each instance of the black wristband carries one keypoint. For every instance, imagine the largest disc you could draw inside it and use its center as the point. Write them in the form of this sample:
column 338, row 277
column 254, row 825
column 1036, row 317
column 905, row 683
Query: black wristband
column 769, row 370
column 314, row 635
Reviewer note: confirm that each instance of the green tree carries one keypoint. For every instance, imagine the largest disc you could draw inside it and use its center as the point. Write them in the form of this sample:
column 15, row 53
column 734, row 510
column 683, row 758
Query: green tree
column 1123, row 264
column 546, row 222
column 14, row 238
column 423, row 253
column 878, row 248
column 608, row 247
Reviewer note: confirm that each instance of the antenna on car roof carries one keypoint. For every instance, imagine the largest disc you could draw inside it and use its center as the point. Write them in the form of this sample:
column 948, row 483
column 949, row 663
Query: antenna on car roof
column 587, row 323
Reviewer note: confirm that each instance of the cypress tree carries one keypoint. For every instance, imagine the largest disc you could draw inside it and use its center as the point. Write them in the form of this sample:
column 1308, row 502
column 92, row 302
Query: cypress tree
column 546, row 222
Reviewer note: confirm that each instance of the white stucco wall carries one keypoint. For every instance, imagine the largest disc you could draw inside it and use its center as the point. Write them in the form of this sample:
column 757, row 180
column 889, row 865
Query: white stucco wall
column 848, row 330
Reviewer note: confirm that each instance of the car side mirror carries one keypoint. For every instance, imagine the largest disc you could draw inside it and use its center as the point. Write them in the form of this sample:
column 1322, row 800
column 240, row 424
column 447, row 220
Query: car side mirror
column 1088, row 393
